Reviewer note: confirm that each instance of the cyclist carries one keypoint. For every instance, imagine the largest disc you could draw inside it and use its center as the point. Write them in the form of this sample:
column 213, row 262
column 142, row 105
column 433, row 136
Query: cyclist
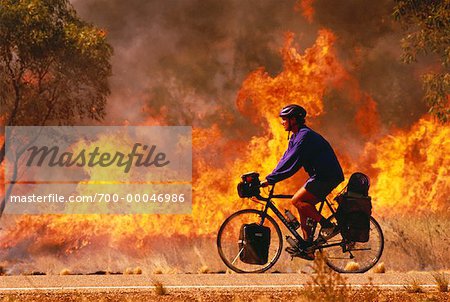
column 310, row 150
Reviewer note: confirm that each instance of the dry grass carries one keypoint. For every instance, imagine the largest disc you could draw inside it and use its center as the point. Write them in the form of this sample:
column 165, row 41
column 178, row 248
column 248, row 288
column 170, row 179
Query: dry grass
column 64, row 272
column 325, row 284
column 133, row 271
column 257, row 299
column 380, row 268
column 410, row 244
column 164, row 270
column 162, row 266
column 160, row 290
column 413, row 287
column 352, row 266
column 369, row 294
column 441, row 282
column 204, row 269
column 419, row 244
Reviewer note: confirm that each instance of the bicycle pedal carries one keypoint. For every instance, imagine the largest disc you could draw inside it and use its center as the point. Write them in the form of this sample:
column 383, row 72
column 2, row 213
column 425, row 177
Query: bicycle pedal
column 329, row 233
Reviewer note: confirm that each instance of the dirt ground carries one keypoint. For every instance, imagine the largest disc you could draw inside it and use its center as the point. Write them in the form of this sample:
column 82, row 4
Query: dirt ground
column 214, row 296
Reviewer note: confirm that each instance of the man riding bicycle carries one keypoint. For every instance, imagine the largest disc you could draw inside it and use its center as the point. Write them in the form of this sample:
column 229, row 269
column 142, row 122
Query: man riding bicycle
column 310, row 150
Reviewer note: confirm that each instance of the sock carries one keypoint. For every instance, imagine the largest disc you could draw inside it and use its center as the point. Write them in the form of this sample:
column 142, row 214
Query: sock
column 326, row 223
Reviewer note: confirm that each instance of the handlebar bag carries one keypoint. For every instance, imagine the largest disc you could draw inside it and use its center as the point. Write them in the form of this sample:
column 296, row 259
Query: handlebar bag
column 249, row 186
column 254, row 241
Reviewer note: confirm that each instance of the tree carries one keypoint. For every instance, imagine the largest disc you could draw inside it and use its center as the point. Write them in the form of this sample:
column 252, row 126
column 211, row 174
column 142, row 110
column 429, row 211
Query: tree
column 54, row 67
column 427, row 25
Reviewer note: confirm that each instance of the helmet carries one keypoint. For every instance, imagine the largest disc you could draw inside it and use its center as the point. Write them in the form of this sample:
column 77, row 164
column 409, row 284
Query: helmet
column 293, row 110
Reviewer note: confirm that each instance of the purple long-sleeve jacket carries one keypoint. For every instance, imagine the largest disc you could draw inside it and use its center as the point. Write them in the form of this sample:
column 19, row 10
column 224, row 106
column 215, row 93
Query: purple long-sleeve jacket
column 310, row 150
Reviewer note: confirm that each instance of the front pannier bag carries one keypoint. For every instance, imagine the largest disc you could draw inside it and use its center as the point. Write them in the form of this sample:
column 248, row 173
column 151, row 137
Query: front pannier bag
column 355, row 209
column 254, row 241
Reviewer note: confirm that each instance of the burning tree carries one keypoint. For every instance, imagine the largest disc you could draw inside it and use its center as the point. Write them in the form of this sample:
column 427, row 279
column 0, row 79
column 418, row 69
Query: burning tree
column 53, row 65
column 428, row 26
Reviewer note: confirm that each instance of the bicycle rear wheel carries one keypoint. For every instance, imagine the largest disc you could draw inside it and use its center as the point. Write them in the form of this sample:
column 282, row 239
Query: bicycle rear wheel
column 365, row 254
column 228, row 241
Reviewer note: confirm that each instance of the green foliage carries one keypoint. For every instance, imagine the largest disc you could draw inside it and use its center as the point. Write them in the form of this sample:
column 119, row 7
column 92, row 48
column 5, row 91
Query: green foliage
column 427, row 26
column 54, row 67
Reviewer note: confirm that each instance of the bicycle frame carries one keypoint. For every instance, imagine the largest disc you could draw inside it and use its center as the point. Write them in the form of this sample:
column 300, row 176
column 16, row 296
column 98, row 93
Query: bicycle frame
column 271, row 205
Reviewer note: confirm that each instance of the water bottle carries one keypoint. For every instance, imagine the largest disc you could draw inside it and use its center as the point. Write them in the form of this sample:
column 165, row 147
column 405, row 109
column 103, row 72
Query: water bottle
column 293, row 222
column 293, row 242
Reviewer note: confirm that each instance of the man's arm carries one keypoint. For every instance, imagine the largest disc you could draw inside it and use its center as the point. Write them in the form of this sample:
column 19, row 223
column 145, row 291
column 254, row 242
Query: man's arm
column 289, row 164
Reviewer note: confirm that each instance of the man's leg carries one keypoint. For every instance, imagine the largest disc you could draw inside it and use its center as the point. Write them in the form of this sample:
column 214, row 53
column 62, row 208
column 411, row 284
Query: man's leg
column 305, row 202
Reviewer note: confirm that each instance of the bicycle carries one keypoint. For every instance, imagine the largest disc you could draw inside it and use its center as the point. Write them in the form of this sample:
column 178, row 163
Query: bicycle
column 340, row 254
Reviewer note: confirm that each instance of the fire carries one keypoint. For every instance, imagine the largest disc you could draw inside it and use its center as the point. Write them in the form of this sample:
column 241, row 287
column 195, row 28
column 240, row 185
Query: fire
column 305, row 6
column 413, row 168
column 366, row 118
column 304, row 78
column 408, row 168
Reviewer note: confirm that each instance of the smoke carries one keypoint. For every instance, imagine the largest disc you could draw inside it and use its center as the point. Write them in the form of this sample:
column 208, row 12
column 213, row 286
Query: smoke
column 183, row 61
column 369, row 42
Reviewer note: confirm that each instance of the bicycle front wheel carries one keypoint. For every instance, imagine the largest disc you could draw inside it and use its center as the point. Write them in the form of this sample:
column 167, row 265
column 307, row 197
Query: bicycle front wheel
column 355, row 257
column 228, row 241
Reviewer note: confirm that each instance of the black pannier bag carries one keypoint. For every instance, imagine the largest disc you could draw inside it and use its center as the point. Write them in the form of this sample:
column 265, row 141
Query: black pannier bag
column 355, row 209
column 249, row 186
column 254, row 241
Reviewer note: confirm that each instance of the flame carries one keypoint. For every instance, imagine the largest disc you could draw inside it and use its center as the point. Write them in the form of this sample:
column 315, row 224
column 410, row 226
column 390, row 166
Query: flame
column 304, row 79
column 408, row 168
column 305, row 6
column 366, row 118
column 413, row 168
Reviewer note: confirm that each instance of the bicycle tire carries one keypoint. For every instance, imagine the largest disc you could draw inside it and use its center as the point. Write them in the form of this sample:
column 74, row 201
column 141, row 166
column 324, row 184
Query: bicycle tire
column 228, row 236
column 337, row 260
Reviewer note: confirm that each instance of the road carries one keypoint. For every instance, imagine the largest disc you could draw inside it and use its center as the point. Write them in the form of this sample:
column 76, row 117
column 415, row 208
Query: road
column 182, row 282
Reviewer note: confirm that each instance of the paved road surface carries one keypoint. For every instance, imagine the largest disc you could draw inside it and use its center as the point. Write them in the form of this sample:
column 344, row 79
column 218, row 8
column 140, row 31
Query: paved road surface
column 180, row 282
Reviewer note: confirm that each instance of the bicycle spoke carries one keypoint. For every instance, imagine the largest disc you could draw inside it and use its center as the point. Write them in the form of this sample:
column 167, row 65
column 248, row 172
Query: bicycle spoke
column 366, row 249
column 237, row 256
column 364, row 255
column 231, row 248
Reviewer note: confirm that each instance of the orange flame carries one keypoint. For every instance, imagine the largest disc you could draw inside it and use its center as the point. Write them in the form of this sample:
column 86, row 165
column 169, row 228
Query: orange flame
column 413, row 168
column 409, row 168
column 305, row 6
column 304, row 78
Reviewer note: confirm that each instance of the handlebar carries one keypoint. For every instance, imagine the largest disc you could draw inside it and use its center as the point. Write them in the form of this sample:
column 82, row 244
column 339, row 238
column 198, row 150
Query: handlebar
column 271, row 195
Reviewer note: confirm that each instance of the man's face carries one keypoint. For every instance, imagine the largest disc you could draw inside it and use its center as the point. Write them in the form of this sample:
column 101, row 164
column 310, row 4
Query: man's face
column 288, row 123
